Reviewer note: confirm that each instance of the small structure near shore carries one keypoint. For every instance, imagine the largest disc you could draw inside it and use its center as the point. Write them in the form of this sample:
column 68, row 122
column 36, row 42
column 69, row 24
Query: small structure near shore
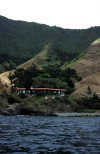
column 40, row 91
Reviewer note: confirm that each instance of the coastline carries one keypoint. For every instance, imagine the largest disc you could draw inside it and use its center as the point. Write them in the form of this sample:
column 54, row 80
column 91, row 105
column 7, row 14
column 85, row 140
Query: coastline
column 13, row 105
column 63, row 114
column 78, row 114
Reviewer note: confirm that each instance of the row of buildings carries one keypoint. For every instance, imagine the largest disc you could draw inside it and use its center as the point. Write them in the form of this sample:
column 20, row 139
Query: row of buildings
column 40, row 91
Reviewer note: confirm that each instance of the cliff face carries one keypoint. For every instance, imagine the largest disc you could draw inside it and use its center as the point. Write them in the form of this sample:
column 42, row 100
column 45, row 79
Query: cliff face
column 89, row 69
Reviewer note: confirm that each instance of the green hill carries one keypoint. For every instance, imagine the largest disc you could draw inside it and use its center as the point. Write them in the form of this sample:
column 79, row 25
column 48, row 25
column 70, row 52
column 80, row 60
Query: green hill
column 48, row 55
column 20, row 41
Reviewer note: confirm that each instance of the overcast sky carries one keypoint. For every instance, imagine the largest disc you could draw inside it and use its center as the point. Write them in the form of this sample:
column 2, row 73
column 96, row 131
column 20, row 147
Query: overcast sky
column 76, row 14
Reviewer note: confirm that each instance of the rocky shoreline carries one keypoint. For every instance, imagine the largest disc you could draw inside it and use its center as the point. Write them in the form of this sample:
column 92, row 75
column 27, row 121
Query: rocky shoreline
column 26, row 111
column 39, row 113
column 12, row 105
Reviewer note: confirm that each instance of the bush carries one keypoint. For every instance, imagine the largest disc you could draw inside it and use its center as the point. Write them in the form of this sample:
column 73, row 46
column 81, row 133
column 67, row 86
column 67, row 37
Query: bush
column 88, row 111
column 22, row 96
column 92, row 102
column 63, row 99
column 12, row 99
column 89, row 90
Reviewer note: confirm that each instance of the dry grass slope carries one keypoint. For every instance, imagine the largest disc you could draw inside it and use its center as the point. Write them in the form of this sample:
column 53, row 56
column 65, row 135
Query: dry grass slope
column 89, row 69
column 4, row 81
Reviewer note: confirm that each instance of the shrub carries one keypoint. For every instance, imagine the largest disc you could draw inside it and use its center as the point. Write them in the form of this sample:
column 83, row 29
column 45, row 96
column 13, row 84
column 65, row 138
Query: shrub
column 89, row 90
column 92, row 102
column 12, row 99
column 22, row 96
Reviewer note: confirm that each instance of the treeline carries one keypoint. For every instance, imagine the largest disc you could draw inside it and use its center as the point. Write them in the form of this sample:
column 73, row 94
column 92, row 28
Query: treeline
column 50, row 76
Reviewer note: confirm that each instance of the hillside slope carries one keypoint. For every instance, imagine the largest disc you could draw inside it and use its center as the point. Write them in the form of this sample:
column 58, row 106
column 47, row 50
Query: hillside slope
column 89, row 69
column 5, row 82
column 45, row 57
column 24, row 40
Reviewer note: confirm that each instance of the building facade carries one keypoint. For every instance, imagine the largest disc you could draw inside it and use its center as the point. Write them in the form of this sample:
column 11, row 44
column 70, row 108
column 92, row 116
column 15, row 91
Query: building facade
column 40, row 91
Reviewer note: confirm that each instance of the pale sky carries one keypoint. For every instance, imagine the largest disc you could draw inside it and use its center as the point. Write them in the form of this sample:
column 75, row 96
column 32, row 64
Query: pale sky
column 76, row 14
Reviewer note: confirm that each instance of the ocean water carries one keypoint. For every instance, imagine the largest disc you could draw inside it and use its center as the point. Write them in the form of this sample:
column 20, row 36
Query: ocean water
column 53, row 135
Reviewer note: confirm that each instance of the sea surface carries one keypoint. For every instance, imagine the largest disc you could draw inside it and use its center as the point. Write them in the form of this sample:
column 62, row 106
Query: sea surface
column 53, row 135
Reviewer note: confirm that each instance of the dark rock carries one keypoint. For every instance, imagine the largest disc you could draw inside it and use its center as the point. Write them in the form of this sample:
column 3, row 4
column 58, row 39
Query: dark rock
column 25, row 111
column 6, row 113
column 29, row 111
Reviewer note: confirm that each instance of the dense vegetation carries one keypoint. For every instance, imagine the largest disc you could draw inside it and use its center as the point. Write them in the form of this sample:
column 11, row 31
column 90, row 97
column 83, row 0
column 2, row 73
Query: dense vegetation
column 50, row 76
column 90, row 102
column 8, row 62
column 23, row 40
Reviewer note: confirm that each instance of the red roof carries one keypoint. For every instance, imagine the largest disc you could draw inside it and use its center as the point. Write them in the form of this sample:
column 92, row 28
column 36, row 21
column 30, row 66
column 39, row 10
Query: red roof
column 41, row 89
column 20, row 88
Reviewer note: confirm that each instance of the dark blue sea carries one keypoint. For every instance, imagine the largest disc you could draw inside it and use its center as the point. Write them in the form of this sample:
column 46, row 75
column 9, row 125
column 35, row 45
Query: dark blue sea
column 49, row 135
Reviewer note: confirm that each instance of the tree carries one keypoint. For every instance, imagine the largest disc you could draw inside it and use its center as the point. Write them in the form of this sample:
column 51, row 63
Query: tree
column 53, row 70
column 23, row 78
column 50, row 77
column 89, row 90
